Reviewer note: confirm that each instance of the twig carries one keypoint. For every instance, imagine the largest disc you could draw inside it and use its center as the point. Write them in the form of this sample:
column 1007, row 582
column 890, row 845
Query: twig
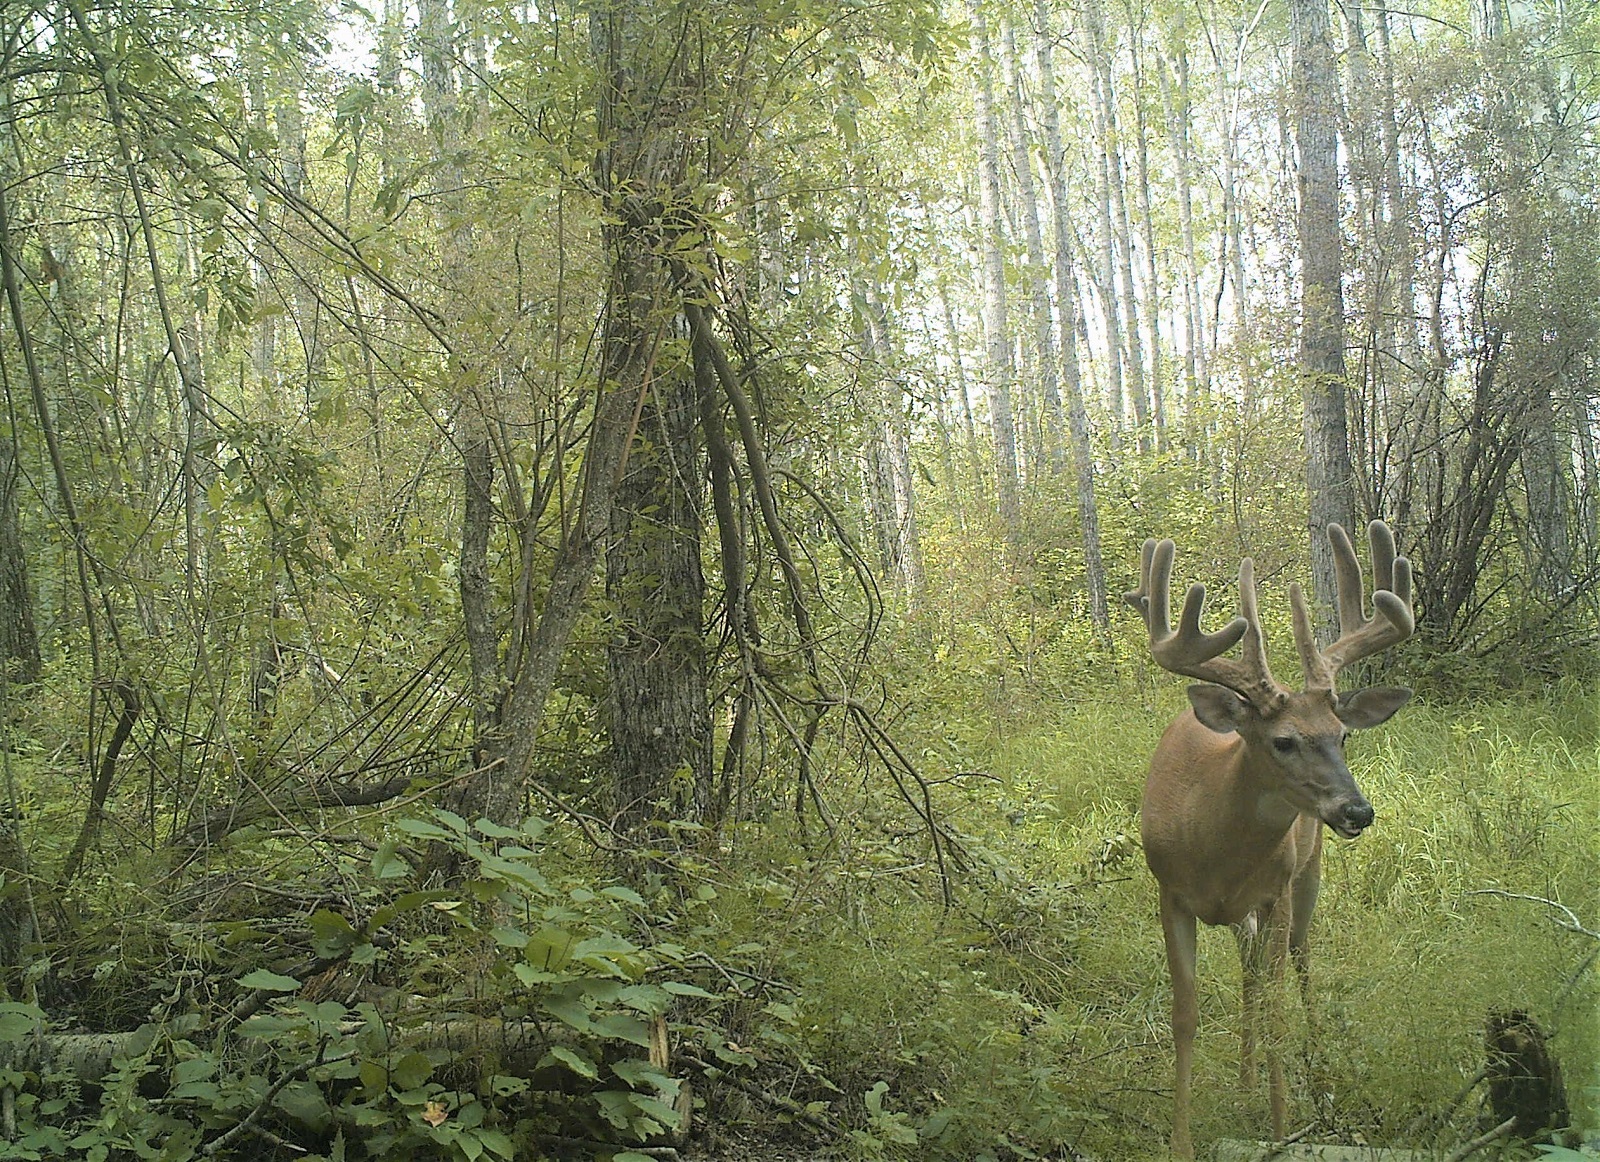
column 212, row 1148
column 1431, row 1121
column 1503, row 1130
column 787, row 1104
column 593, row 1145
column 1283, row 1144
column 1571, row 923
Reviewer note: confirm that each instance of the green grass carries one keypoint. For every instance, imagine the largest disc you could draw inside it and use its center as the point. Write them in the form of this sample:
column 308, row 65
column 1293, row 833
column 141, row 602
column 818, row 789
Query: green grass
column 1036, row 1012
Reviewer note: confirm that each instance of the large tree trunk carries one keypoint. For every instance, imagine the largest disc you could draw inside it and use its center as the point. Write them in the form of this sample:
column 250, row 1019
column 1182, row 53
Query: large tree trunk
column 1407, row 470
column 1147, row 237
column 658, row 704
column 1328, row 490
column 891, row 494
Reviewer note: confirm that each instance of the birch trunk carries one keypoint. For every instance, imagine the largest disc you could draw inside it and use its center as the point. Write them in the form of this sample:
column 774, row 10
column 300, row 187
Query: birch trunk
column 1038, row 267
column 1068, row 322
column 999, row 370
column 1321, row 349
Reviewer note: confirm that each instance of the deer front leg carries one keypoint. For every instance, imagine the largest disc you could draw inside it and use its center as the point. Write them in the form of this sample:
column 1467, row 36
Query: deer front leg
column 1276, row 939
column 1248, row 934
column 1178, row 926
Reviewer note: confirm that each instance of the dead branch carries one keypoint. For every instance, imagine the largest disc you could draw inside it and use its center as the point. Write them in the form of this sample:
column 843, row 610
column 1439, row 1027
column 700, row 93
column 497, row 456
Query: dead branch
column 1470, row 1148
column 787, row 1104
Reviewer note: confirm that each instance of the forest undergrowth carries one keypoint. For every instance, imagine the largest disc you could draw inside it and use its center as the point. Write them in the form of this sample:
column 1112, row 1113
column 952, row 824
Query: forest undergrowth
column 1459, row 902
column 320, row 996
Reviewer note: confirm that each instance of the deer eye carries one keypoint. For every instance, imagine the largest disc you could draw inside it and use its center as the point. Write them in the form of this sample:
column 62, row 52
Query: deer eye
column 1283, row 744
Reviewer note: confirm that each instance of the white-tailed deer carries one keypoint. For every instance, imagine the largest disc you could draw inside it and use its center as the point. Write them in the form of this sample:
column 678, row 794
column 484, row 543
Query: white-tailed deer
column 1242, row 782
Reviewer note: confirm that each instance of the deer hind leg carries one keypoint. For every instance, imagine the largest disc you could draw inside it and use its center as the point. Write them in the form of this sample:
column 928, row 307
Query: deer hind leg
column 1178, row 926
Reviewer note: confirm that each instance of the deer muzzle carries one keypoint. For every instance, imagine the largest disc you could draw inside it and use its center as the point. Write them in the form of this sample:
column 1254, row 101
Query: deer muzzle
column 1350, row 818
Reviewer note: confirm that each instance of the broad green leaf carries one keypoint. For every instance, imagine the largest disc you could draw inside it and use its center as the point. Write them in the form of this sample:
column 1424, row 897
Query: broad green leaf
column 650, row 999
column 193, row 1069
column 569, row 1011
column 269, row 981
column 18, row 1020
column 498, row 1144
column 623, row 1027
column 574, row 1061
column 304, row 1102
column 410, row 1071
column 331, row 934
column 636, row 1071
column 387, row 864
column 550, row 948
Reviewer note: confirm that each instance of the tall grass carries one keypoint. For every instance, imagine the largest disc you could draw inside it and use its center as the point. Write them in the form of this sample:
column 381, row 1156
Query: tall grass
column 1035, row 1013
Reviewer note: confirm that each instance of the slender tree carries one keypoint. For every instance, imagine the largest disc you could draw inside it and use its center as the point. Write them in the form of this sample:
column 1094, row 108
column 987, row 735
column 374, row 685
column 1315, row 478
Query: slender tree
column 999, row 367
column 1321, row 347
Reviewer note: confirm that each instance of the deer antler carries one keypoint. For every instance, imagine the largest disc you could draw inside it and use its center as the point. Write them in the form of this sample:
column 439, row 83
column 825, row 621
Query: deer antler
column 1360, row 636
column 1192, row 652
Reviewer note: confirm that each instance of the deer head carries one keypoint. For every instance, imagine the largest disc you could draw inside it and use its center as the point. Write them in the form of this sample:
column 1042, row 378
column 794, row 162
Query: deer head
column 1292, row 739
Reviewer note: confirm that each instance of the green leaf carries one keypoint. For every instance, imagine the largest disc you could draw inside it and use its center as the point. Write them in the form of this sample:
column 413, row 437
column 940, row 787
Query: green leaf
column 622, row 1027
column 331, row 934
column 574, row 1061
column 269, row 981
column 504, row 1085
column 410, row 1071
column 679, row 988
column 508, row 937
column 489, row 829
column 550, row 948
column 193, row 1069
column 497, row 1143
column 304, row 1102
column 569, row 1011
column 637, row 1072
column 652, row 1000
column 387, row 863
column 18, row 1020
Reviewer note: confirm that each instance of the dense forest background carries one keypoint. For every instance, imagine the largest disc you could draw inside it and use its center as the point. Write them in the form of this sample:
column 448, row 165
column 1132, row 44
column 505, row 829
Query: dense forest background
column 558, row 562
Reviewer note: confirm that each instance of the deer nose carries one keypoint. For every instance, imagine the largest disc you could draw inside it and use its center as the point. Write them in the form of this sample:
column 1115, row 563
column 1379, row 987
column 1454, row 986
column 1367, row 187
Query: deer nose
column 1358, row 815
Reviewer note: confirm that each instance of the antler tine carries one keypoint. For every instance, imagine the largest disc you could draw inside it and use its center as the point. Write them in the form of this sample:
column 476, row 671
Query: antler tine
column 1360, row 636
column 1191, row 651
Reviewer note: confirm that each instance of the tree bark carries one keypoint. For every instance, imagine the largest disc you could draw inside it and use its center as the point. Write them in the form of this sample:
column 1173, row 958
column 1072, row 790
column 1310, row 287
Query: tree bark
column 1066, row 289
column 658, row 702
column 1000, row 370
column 1321, row 348
column 19, row 640
column 1038, row 266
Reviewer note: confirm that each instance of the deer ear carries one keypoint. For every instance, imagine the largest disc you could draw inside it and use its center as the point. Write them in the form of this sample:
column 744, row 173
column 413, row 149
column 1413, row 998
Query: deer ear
column 1363, row 708
column 1218, row 708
